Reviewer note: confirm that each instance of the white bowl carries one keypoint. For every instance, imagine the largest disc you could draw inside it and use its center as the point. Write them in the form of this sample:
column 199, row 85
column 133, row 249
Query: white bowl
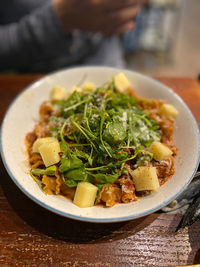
column 24, row 113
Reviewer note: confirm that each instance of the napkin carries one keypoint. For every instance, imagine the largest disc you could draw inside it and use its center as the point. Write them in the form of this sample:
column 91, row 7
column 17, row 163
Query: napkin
column 188, row 203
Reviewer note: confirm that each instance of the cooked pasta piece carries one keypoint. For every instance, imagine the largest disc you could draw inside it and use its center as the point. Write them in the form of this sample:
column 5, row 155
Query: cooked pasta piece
column 111, row 194
column 128, row 189
column 36, row 161
column 49, row 184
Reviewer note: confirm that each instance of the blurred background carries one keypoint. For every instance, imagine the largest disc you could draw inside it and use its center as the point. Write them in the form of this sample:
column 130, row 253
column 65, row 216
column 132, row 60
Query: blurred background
column 166, row 40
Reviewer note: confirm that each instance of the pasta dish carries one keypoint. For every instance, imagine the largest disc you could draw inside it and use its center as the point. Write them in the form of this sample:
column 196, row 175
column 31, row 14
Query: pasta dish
column 103, row 145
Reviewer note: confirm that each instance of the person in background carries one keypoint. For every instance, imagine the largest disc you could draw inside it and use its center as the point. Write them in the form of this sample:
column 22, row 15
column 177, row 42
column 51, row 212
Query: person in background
column 45, row 35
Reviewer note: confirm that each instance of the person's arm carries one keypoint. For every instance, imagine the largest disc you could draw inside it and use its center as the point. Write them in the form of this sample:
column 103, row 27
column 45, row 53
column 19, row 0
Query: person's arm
column 42, row 35
column 35, row 37
column 109, row 17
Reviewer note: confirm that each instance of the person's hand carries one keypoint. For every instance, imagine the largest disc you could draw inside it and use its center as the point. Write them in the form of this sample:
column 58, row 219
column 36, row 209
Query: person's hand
column 105, row 16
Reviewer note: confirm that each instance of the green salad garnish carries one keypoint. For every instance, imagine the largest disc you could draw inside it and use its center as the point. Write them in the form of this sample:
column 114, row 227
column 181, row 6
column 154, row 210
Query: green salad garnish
column 98, row 132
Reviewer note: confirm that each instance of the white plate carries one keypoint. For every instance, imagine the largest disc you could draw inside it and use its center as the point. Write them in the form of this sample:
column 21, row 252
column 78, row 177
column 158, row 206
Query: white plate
column 23, row 114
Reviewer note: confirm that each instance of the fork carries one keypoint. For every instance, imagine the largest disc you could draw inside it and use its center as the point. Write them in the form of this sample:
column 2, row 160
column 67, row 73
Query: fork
column 190, row 215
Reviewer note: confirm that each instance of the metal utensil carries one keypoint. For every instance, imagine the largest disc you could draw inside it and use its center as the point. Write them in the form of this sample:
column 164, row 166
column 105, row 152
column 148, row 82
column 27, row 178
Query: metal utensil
column 192, row 213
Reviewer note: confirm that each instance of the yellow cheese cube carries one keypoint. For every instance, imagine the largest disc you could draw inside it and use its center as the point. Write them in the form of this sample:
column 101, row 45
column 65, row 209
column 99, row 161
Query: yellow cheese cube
column 58, row 93
column 168, row 110
column 85, row 195
column 145, row 178
column 75, row 88
column 50, row 153
column 89, row 86
column 121, row 82
column 41, row 141
column 160, row 151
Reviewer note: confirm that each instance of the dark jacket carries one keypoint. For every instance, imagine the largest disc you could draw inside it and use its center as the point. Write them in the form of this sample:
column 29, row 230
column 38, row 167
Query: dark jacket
column 31, row 38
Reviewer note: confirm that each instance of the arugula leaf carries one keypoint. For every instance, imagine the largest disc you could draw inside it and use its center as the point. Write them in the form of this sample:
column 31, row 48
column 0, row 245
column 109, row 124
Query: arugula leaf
column 140, row 130
column 105, row 178
column 48, row 171
column 100, row 186
column 70, row 163
column 84, row 133
column 94, row 120
column 63, row 144
column 73, row 99
column 115, row 132
column 71, row 183
column 38, row 182
column 78, row 174
column 55, row 125
column 74, row 176
column 73, row 107
column 84, row 155
column 103, row 144
column 120, row 154
column 125, row 100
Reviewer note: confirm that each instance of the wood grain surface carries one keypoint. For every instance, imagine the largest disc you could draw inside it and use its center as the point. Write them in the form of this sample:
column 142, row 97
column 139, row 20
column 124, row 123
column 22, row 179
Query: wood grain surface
column 33, row 236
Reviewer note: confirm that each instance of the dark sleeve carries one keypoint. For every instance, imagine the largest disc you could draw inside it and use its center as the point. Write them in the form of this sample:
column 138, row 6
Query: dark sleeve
column 35, row 38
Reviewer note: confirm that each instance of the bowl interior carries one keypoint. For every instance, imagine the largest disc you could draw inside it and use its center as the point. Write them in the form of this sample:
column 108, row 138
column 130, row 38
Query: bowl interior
column 24, row 113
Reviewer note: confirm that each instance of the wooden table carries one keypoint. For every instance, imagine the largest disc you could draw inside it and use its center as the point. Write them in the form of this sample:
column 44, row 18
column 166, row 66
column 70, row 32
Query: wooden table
column 33, row 236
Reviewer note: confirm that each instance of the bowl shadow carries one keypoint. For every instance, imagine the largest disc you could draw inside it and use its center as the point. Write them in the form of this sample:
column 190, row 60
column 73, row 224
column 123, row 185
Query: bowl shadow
column 62, row 228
